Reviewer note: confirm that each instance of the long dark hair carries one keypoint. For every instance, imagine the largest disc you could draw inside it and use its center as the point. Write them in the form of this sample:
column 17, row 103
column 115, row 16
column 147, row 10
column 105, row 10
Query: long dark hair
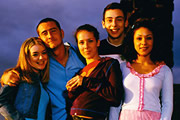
column 130, row 53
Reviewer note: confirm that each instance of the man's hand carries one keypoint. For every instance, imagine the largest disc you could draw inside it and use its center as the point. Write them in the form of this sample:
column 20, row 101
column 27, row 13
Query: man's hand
column 10, row 78
column 74, row 82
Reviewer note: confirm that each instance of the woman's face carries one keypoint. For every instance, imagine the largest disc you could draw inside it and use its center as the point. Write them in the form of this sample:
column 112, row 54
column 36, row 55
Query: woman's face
column 87, row 44
column 38, row 57
column 143, row 41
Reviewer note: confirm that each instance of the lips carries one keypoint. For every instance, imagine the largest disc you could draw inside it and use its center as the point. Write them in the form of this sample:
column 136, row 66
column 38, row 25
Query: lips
column 114, row 30
column 144, row 48
column 41, row 63
column 87, row 52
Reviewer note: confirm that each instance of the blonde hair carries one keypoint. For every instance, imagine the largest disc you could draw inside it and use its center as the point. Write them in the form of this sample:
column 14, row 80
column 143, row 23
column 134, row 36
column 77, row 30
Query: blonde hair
column 26, row 71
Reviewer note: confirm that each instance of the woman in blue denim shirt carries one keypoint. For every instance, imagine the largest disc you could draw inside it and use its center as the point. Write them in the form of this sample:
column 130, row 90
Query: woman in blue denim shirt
column 28, row 100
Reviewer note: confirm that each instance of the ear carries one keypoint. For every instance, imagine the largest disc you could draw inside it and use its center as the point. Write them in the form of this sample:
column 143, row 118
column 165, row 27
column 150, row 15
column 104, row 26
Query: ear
column 103, row 24
column 62, row 33
column 98, row 43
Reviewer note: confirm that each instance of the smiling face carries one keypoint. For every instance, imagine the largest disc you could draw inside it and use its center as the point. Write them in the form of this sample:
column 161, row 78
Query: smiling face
column 50, row 34
column 88, row 45
column 38, row 57
column 143, row 41
column 114, row 23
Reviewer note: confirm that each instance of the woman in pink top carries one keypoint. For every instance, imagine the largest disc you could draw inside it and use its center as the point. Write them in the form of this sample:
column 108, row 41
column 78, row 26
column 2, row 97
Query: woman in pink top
column 146, row 77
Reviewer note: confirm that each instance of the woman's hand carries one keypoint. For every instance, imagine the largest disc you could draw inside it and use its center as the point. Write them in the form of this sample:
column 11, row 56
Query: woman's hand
column 74, row 82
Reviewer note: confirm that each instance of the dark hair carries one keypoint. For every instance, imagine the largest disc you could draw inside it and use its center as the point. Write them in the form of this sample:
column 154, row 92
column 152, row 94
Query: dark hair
column 115, row 5
column 88, row 28
column 48, row 20
column 130, row 53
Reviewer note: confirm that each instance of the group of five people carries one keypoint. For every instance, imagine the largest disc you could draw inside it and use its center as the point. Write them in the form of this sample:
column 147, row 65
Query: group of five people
column 123, row 72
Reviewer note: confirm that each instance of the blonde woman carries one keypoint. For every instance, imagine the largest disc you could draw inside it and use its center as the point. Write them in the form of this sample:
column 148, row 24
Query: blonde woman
column 28, row 100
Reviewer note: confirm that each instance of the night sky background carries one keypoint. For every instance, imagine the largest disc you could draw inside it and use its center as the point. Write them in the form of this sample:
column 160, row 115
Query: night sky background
column 18, row 20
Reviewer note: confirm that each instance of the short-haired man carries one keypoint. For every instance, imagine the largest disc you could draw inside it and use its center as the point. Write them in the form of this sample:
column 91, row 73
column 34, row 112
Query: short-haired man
column 114, row 21
column 64, row 63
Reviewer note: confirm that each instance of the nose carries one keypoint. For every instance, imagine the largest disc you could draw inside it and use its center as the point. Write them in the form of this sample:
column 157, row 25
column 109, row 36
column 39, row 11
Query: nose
column 143, row 41
column 86, row 45
column 41, row 57
column 49, row 35
column 113, row 22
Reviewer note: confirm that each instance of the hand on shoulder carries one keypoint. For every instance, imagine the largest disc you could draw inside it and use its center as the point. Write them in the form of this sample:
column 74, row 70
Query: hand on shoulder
column 10, row 77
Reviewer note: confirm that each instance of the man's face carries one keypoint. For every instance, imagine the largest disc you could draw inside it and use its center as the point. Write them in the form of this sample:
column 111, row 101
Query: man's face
column 114, row 23
column 50, row 34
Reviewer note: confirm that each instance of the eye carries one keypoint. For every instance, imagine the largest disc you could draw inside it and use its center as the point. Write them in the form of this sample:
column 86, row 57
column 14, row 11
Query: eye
column 108, row 20
column 120, row 19
column 149, row 38
column 90, row 40
column 81, row 42
column 44, row 33
column 138, row 38
column 53, row 30
column 35, row 54
column 44, row 52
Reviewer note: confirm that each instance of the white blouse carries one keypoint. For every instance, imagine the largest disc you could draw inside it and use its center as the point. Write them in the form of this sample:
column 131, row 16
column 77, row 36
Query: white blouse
column 142, row 91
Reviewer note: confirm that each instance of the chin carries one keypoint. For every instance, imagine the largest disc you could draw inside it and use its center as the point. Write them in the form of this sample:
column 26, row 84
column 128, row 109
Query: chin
column 41, row 68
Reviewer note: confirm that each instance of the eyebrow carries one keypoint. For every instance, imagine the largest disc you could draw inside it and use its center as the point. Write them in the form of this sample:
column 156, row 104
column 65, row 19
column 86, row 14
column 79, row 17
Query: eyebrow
column 116, row 17
column 34, row 52
column 146, row 35
column 54, row 28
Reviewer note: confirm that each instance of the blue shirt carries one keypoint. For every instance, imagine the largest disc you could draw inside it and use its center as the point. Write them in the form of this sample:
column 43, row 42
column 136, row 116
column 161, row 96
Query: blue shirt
column 59, row 75
column 44, row 99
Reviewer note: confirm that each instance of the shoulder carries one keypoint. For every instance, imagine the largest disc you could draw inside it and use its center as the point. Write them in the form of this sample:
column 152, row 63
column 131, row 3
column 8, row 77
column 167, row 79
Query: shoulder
column 165, row 69
column 103, row 43
column 110, row 60
column 70, row 46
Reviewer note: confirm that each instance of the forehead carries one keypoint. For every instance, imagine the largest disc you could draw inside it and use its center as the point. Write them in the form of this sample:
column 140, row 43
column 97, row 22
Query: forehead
column 84, row 34
column 114, row 13
column 36, row 48
column 143, row 31
column 46, row 26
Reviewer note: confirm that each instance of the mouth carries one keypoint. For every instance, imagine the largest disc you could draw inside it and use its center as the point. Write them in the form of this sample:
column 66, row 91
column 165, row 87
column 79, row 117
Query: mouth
column 87, row 52
column 114, row 30
column 41, row 63
column 144, row 48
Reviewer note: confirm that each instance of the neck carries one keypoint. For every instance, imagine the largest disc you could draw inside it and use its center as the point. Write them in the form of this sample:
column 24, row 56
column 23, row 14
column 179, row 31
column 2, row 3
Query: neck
column 144, row 59
column 116, row 41
column 61, row 54
column 88, row 61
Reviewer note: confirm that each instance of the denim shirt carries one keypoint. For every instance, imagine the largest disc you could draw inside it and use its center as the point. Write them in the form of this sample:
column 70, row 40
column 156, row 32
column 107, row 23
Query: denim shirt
column 20, row 102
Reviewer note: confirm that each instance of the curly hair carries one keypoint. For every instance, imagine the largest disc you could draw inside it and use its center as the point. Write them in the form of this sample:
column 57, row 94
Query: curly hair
column 129, row 52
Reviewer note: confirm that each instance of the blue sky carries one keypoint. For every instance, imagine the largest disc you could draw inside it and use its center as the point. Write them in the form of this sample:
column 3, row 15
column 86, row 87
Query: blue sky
column 19, row 19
